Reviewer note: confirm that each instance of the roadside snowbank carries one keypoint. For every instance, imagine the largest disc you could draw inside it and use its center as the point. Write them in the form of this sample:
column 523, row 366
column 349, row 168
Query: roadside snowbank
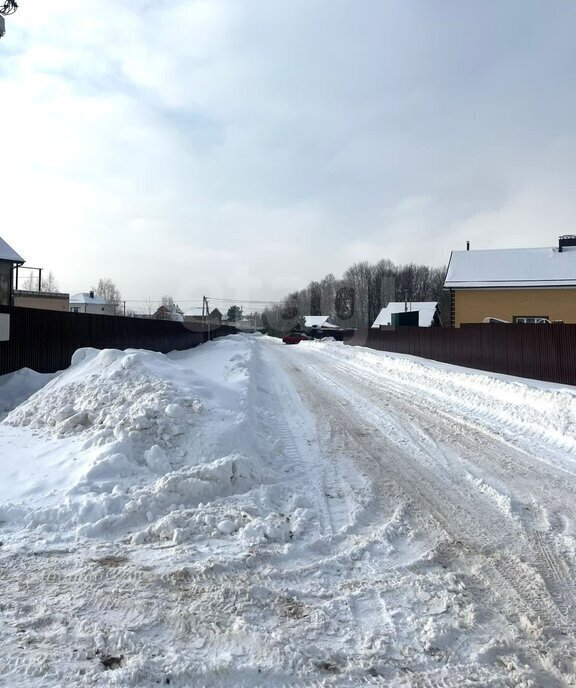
column 531, row 408
column 152, row 443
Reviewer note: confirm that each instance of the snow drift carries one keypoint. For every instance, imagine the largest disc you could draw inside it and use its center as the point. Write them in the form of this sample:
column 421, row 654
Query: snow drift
column 149, row 444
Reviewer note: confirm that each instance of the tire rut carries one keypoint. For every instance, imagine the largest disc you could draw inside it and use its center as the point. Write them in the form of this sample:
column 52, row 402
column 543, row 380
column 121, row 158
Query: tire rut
column 376, row 427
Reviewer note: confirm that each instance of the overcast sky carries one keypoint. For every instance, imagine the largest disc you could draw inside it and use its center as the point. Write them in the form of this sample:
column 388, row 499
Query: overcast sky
column 241, row 148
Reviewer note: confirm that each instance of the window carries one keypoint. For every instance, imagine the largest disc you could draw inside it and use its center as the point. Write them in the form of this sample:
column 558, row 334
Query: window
column 75, row 309
column 531, row 319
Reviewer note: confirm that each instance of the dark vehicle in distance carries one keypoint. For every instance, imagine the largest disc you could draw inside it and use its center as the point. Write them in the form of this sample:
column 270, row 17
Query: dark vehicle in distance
column 296, row 338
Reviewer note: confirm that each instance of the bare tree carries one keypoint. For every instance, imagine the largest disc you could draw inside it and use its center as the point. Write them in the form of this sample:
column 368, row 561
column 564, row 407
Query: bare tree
column 49, row 284
column 357, row 298
column 30, row 283
column 329, row 289
column 108, row 290
column 46, row 283
column 357, row 279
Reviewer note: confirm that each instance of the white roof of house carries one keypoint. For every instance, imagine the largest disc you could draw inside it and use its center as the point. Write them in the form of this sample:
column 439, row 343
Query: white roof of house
column 426, row 310
column 318, row 321
column 512, row 267
column 8, row 253
column 84, row 297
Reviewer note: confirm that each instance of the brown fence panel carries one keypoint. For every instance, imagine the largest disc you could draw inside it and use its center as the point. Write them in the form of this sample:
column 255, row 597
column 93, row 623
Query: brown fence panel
column 445, row 348
column 414, row 340
column 541, row 352
column 566, row 353
column 45, row 340
column 488, row 349
column 533, row 342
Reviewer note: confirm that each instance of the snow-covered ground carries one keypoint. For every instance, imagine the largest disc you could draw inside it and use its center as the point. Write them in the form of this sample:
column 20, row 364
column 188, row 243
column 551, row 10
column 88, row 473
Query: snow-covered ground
column 253, row 514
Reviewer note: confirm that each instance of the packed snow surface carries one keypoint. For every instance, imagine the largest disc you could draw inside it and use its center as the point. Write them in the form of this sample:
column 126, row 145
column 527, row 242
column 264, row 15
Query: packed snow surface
column 252, row 514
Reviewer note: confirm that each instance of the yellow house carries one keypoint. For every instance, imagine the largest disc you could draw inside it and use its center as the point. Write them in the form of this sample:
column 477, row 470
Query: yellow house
column 526, row 285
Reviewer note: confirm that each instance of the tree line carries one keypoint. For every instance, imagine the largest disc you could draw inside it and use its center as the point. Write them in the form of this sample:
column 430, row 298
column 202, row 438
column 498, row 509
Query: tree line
column 356, row 299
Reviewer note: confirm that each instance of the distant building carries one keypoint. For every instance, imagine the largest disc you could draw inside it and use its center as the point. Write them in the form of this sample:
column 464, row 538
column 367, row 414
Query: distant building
column 44, row 300
column 520, row 285
column 89, row 302
column 319, row 322
column 415, row 313
column 195, row 315
column 9, row 260
column 166, row 313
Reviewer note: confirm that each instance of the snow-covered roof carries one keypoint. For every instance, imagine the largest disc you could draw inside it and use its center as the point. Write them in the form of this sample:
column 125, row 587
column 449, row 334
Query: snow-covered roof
column 84, row 297
column 319, row 321
column 426, row 310
column 512, row 267
column 8, row 253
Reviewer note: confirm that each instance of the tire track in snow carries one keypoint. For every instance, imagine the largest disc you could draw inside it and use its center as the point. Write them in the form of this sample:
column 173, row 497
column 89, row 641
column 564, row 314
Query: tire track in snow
column 548, row 562
column 297, row 450
column 521, row 581
column 558, row 578
column 524, row 590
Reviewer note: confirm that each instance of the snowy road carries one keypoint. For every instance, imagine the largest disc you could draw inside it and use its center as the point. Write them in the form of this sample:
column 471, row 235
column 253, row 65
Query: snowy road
column 250, row 513
column 497, row 516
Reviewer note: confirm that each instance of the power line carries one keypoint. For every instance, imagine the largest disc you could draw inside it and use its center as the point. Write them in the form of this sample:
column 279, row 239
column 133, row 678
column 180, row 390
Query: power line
column 149, row 304
column 214, row 298
column 158, row 301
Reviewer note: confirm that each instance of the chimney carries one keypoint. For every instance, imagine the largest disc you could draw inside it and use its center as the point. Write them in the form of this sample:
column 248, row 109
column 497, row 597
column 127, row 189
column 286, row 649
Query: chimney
column 467, row 245
column 566, row 240
column 91, row 294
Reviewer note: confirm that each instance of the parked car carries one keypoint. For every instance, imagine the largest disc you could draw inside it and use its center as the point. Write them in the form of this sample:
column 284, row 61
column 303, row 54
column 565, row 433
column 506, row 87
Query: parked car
column 296, row 338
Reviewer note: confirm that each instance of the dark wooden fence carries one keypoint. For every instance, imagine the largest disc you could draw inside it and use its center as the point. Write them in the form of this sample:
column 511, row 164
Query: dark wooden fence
column 45, row 340
column 541, row 352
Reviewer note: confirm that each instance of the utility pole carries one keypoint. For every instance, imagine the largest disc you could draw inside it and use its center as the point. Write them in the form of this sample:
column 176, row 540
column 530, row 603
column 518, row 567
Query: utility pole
column 207, row 315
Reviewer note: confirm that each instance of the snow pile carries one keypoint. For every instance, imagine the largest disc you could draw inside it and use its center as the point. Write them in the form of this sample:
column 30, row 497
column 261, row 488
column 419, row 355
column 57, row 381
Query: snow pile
column 527, row 407
column 152, row 444
column 17, row 387
column 113, row 395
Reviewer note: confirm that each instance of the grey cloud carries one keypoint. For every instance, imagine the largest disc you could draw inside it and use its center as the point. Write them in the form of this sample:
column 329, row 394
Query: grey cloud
column 306, row 128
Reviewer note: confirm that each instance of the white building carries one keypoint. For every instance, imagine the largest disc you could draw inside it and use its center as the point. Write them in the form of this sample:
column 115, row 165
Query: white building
column 89, row 302
column 318, row 322
column 427, row 313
